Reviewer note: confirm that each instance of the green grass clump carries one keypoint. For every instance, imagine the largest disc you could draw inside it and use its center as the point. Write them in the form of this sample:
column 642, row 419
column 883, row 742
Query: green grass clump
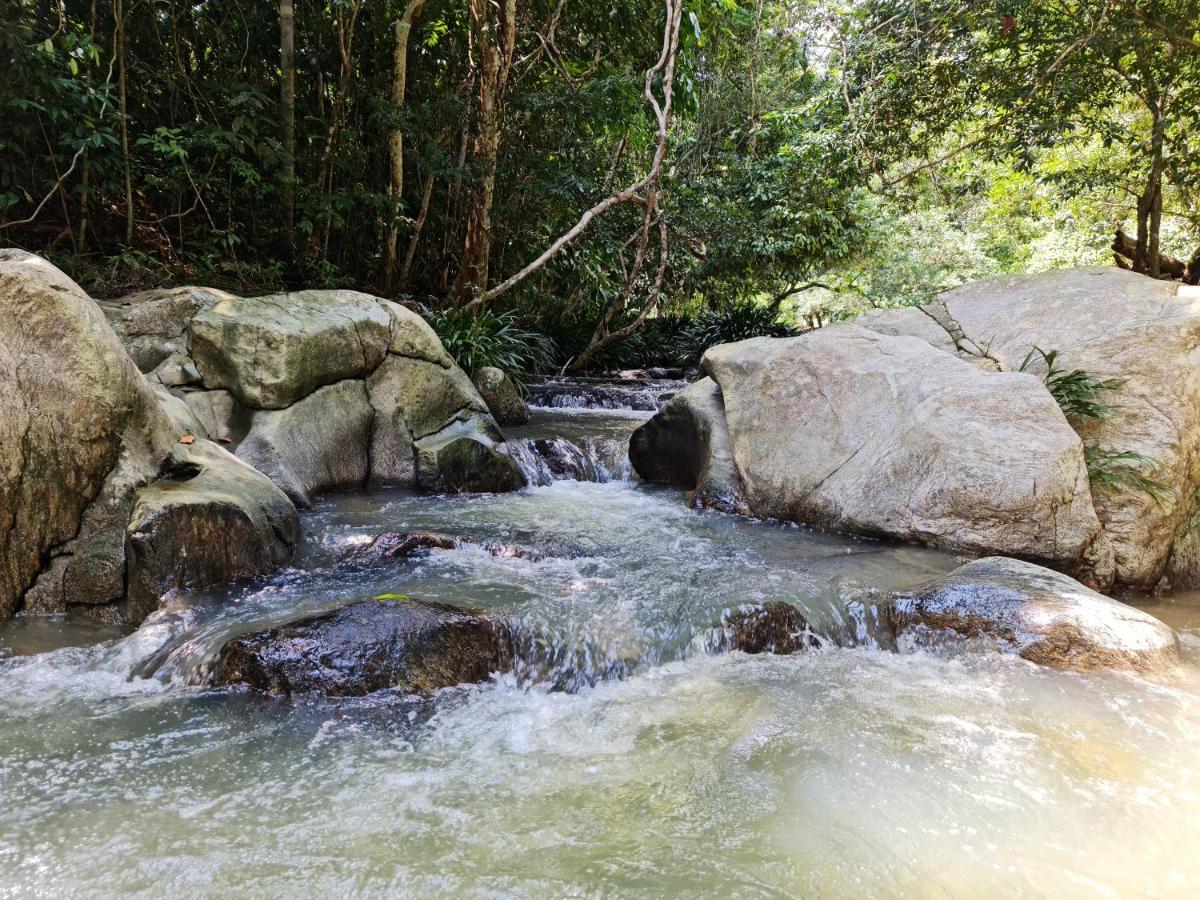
column 478, row 339
column 1077, row 392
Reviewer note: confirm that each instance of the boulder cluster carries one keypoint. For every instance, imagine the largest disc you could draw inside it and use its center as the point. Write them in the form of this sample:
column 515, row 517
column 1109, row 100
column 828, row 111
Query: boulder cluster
column 920, row 424
column 164, row 440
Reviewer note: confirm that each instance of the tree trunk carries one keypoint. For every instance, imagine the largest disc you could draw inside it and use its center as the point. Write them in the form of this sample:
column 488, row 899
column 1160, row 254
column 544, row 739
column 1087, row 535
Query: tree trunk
column 494, row 27
column 403, row 29
column 119, row 40
column 287, row 118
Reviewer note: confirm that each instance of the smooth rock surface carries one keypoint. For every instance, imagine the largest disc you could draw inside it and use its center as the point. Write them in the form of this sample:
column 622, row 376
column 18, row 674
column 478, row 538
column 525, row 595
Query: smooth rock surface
column 271, row 351
column 80, row 431
column 501, row 396
column 851, row 430
column 320, row 443
column 409, row 646
column 687, row 444
column 209, row 520
column 1045, row 616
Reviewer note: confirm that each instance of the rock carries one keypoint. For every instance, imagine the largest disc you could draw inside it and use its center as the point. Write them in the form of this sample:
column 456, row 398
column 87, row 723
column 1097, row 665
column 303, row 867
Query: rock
column 1143, row 332
column 413, row 337
column 271, row 351
column 317, row 444
column 774, row 627
column 153, row 324
column 501, row 396
column 210, row 519
column 80, row 431
column 177, row 370
column 220, row 414
column 1042, row 615
column 183, row 419
column 468, row 465
column 409, row 646
column 856, row 431
column 687, row 444
column 427, row 396
column 403, row 544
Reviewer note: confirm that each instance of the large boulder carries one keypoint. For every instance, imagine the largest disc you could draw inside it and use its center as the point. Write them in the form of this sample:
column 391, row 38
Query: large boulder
column 153, row 324
column 271, row 351
column 317, row 444
column 80, row 431
column 856, row 431
column 399, row 644
column 501, row 396
column 687, row 444
column 1141, row 332
column 1040, row 614
column 210, row 519
column 97, row 508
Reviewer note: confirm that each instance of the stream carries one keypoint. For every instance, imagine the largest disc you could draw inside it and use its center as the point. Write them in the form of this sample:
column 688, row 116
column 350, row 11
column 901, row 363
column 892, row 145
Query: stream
column 624, row 755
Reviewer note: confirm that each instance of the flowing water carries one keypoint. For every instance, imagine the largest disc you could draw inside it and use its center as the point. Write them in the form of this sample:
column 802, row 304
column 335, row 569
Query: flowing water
column 623, row 758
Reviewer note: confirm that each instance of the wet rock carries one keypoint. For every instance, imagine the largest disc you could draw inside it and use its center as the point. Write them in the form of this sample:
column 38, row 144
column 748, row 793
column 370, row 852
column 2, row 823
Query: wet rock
column 317, row 444
column 774, row 627
column 209, row 520
column 153, row 324
column 687, row 444
column 501, row 396
column 466, row 465
column 855, row 431
column 403, row 544
column 1044, row 616
column 402, row 645
column 428, row 397
column 271, row 351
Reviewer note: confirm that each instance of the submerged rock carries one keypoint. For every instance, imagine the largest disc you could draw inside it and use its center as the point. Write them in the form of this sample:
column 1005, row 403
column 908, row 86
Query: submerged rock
column 403, row 544
column 774, row 627
column 501, row 396
column 405, row 645
column 1044, row 616
column 687, row 444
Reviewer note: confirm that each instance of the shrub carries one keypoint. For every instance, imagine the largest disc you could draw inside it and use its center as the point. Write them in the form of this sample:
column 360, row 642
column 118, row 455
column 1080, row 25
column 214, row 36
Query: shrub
column 1076, row 391
column 725, row 324
column 1112, row 469
column 478, row 339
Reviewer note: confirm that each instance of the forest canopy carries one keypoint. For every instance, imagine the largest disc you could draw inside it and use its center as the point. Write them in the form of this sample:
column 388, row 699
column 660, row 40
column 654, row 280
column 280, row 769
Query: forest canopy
column 610, row 172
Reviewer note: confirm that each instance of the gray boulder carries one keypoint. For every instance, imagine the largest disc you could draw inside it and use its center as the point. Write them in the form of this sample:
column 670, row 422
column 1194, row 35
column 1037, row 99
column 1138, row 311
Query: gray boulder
column 403, row 645
column 855, row 431
column 501, row 396
column 80, row 431
column 153, row 324
column 687, row 444
column 271, row 351
column 317, row 444
column 1042, row 615
column 210, row 519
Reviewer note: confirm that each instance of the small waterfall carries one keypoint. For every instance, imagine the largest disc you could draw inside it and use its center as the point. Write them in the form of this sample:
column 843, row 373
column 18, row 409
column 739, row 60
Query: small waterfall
column 544, row 461
column 646, row 395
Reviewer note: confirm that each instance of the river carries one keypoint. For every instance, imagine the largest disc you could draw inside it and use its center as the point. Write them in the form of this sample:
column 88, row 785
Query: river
column 624, row 756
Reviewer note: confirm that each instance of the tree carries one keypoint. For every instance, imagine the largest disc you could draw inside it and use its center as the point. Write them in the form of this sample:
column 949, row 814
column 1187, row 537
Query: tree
column 287, row 118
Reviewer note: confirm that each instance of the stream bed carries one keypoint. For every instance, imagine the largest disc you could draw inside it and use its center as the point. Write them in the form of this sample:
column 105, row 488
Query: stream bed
column 623, row 757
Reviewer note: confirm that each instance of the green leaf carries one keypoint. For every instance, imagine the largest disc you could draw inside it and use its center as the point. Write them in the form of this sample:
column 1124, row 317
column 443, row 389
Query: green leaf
column 398, row 598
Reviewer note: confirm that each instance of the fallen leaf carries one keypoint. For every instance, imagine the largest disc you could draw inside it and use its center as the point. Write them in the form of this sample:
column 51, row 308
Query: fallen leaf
column 186, row 439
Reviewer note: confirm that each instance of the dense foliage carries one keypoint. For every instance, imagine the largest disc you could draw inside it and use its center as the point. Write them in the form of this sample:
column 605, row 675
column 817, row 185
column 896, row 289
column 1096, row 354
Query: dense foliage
column 816, row 158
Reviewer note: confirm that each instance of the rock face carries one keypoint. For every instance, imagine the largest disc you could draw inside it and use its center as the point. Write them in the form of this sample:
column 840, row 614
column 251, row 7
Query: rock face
column 271, row 351
column 852, row 430
column 210, row 519
column 774, row 627
column 408, row 645
column 687, row 444
column 1144, row 333
column 83, row 443
column 1042, row 615
column 501, row 396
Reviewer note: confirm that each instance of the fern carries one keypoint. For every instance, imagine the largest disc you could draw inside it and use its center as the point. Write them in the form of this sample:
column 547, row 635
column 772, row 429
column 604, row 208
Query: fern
column 1077, row 392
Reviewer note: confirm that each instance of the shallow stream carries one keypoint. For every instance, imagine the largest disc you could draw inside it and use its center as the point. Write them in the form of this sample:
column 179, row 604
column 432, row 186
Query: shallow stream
column 624, row 757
